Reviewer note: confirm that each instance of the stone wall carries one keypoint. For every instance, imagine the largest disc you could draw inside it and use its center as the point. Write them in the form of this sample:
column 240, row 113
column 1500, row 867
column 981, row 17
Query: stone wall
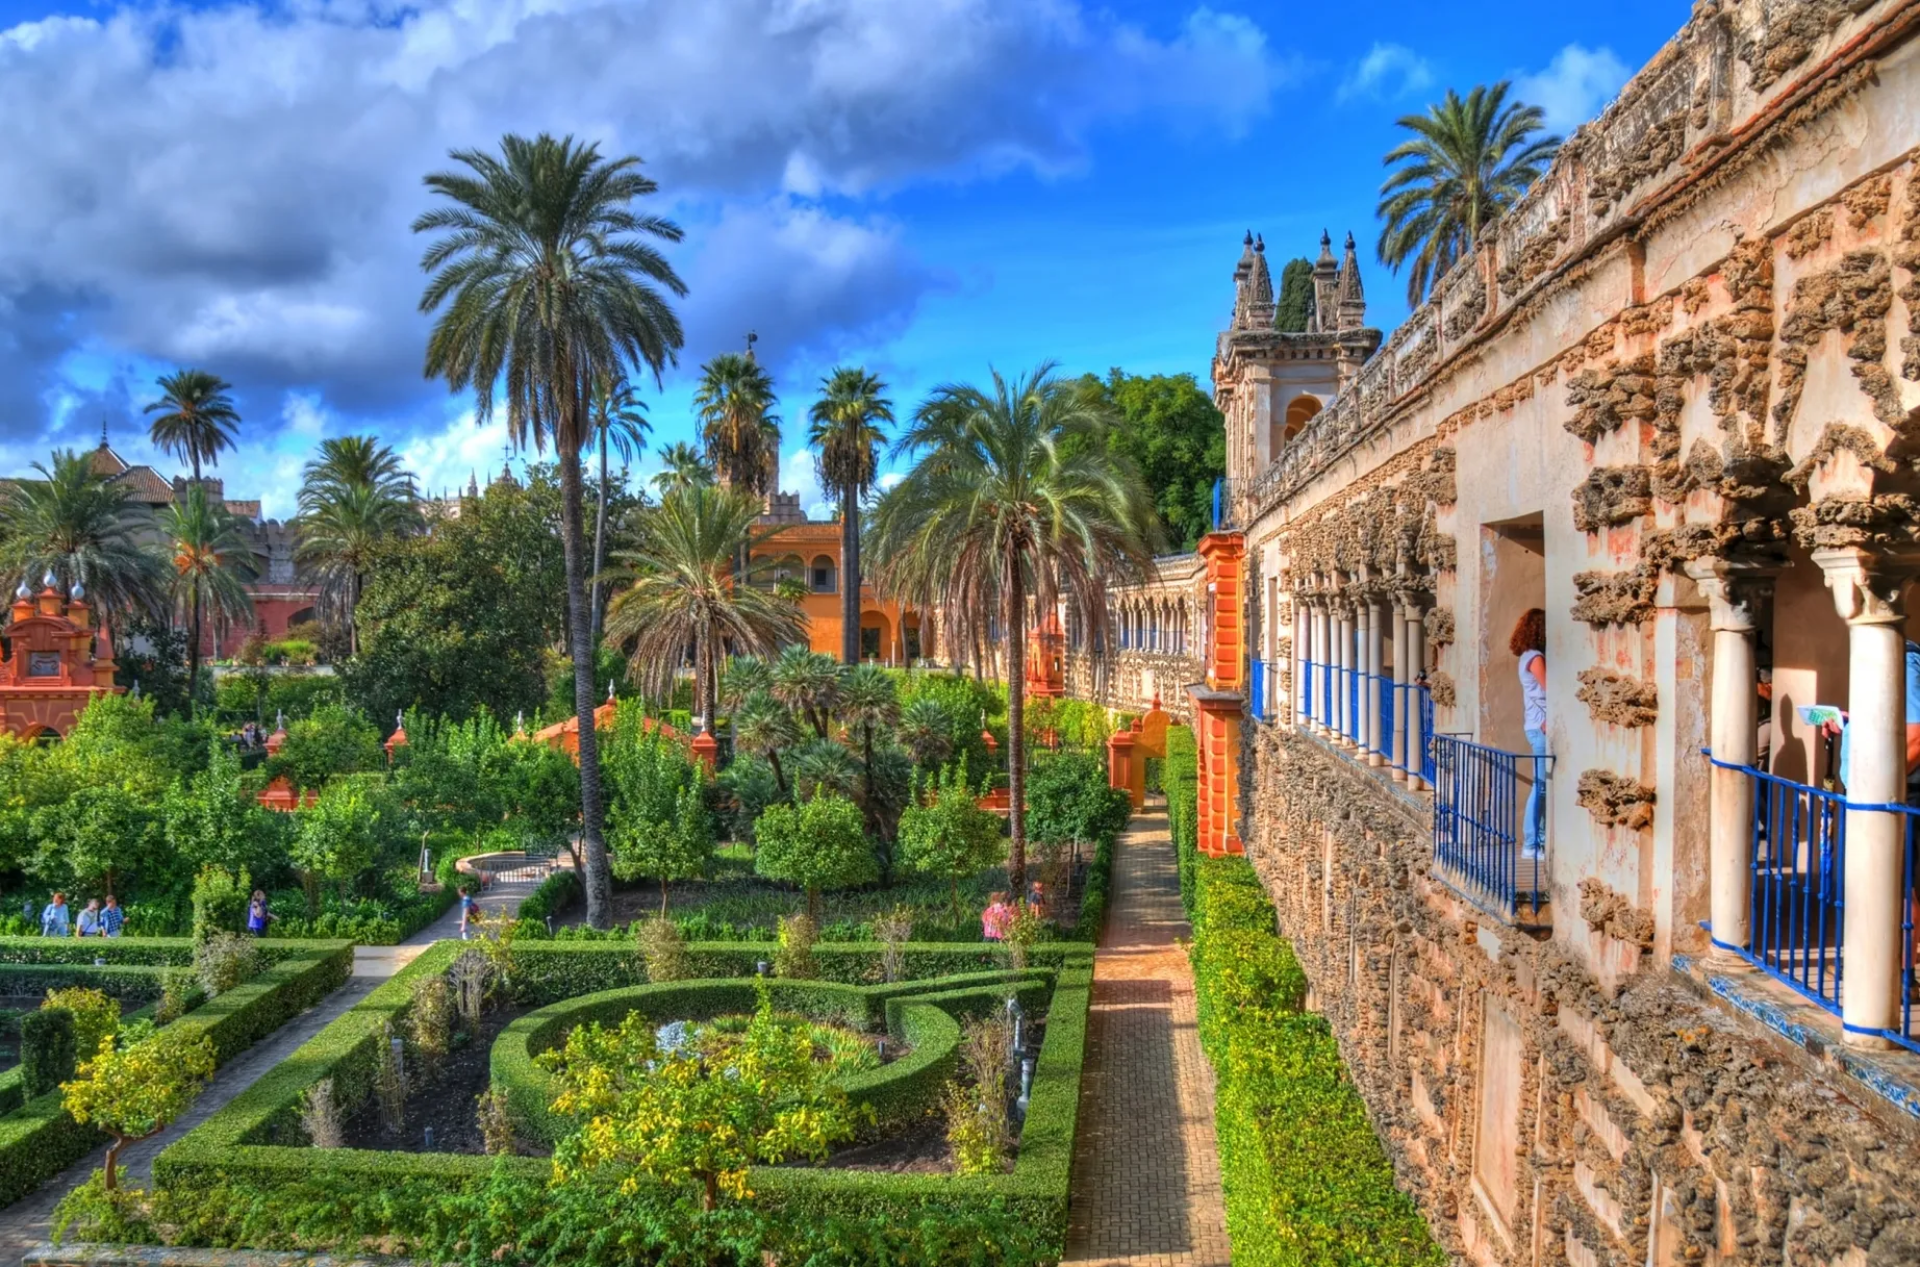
column 1637, row 1119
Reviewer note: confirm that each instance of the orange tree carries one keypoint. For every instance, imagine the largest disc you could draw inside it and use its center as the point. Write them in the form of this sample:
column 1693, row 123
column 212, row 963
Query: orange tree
column 700, row 1113
column 134, row 1093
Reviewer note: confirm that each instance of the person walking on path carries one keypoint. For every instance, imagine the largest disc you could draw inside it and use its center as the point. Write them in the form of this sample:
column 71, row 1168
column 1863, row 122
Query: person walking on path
column 1529, row 642
column 89, row 924
column 258, row 916
column 469, row 911
column 53, row 920
column 994, row 920
column 112, row 918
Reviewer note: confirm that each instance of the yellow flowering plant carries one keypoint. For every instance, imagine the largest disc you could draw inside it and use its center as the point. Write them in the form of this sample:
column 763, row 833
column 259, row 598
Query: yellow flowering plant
column 135, row 1093
column 699, row 1111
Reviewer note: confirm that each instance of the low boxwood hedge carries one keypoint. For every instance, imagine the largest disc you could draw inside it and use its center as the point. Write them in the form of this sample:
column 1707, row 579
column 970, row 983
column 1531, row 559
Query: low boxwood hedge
column 130, row 983
column 237, row 1181
column 1181, row 778
column 38, row 1139
column 1307, row 1182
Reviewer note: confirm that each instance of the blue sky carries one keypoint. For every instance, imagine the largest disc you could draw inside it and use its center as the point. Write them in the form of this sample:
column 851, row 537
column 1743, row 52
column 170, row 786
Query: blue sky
column 928, row 187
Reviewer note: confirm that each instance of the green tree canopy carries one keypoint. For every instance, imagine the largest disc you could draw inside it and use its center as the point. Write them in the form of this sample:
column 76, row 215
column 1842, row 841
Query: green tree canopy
column 950, row 836
column 818, row 844
column 657, row 821
column 1170, row 432
column 1294, row 311
column 457, row 622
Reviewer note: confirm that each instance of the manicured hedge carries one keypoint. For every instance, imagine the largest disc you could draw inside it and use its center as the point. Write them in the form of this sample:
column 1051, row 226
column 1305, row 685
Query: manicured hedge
column 1181, row 777
column 38, row 1139
column 233, row 1180
column 1307, row 1183
column 1094, row 897
column 554, row 895
column 127, row 982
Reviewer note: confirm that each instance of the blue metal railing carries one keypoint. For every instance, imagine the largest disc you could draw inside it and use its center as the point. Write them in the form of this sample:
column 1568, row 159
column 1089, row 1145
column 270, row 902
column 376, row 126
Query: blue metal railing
column 1325, row 686
column 1479, row 804
column 1797, row 860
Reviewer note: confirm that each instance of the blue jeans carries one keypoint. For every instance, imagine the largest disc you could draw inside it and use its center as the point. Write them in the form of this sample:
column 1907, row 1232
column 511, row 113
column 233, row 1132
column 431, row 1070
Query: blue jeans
column 1535, row 822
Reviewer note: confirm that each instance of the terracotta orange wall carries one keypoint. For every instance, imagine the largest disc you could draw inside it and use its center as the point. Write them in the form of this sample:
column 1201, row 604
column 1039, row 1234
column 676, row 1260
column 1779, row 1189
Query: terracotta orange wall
column 807, row 542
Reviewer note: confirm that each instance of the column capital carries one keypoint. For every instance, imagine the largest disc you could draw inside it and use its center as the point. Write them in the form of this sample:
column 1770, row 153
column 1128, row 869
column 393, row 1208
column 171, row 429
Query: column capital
column 1732, row 588
column 1867, row 584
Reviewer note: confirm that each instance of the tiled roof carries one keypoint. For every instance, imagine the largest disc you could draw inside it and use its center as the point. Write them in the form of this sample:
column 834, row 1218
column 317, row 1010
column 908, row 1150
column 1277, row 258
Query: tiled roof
column 106, row 462
column 145, row 485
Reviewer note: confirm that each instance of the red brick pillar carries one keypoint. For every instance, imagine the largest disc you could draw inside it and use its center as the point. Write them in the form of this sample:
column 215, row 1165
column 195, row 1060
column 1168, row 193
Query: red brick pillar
column 1219, row 702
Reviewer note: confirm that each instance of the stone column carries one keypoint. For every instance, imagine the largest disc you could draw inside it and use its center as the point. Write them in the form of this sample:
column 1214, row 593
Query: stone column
column 1323, row 651
column 1302, row 653
column 1403, row 700
column 1415, row 621
column 1342, row 666
column 1867, row 592
column 1732, row 592
column 1379, row 615
column 1362, row 656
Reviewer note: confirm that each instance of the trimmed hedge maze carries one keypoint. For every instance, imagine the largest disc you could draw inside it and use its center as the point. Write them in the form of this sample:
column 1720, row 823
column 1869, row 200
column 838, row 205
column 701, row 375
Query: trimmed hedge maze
column 37, row 1137
column 247, row 1178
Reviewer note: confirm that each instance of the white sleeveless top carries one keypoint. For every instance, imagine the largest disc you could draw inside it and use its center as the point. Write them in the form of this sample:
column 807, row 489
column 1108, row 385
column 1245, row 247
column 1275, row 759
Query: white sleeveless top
column 1532, row 693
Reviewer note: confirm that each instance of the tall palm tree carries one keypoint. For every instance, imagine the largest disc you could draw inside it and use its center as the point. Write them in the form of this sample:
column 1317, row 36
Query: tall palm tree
column 550, row 282
column 1468, row 161
column 79, row 525
column 846, row 430
column 353, row 461
column 197, row 418
column 685, row 465
column 212, row 564
column 868, row 702
column 1016, row 498
column 619, row 423
column 685, row 592
column 734, row 402
column 340, row 536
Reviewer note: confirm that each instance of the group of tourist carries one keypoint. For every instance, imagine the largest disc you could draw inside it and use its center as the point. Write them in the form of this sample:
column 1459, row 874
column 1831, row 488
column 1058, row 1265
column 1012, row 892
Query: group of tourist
column 95, row 920
column 998, row 918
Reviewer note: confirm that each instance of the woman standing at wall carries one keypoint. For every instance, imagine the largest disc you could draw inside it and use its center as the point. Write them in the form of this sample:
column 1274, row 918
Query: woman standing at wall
column 1529, row 642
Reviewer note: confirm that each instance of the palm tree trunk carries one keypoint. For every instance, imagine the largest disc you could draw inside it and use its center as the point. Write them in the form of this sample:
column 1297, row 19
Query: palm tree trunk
column 599, row 880
column 849, row 575
column 193, row 657
column 600, row 535
column 702, row 662
column 1014, row 625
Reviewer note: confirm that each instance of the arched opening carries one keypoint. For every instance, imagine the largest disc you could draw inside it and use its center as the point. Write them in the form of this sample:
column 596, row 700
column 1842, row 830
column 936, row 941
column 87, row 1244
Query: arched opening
column 1298, row 413
column 821, row 578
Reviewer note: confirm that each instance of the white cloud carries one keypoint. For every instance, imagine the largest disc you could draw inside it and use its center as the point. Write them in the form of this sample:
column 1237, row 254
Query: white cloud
column 1386, row 73
column 233, row 186
column 797, row 475
column 1574, row 87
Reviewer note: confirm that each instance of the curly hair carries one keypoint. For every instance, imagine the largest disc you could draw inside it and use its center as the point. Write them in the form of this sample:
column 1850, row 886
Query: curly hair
column 1529, row 632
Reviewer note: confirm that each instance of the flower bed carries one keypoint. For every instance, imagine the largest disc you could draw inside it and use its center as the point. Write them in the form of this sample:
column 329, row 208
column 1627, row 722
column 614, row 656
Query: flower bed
column 245, row 1177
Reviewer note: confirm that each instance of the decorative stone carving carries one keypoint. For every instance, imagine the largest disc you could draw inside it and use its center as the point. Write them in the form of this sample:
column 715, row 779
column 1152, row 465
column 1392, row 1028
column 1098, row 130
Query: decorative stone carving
column 1906, row 254
column 1622, row 701
column 1611, row 913
column 1809, row 234
column 1534, row 254
column 1439, row 623
column 1853, row 297
column 1789, row 35
column 1440, row 687
column 1615, row 800
column 1615, row 598
column 1611, row 495
column 1608, row 395
column 1465, row 310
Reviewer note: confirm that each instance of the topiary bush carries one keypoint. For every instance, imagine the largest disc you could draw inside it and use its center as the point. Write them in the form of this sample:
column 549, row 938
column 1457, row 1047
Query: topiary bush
column 1181, row 778
column 46, row 1050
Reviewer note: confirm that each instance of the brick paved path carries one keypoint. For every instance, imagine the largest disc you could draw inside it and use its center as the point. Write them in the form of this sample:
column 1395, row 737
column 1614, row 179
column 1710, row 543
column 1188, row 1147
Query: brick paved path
column 1146, row 1181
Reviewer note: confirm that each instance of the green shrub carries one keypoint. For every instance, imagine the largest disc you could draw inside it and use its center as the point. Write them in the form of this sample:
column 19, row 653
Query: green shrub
column 818, row 844
column 95, row 1016
column 1181, row 776
column 220, row 902
column 1306, row 1180
column 46, row 1050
